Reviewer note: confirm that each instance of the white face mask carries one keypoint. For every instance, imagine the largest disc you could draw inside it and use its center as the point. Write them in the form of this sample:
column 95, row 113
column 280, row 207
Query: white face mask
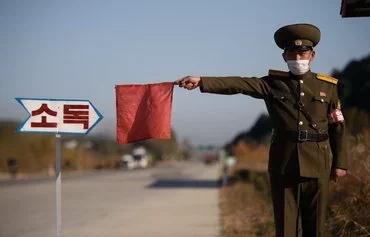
column 298, row 67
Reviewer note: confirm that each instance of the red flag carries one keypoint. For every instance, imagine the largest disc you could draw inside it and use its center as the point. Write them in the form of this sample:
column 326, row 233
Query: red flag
column 143, row 111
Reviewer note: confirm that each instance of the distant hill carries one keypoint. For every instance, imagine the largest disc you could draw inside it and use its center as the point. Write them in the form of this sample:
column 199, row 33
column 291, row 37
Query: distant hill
column 258, row 134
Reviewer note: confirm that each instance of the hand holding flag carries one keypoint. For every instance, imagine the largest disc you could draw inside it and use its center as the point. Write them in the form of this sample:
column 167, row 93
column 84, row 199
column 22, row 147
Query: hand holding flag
column 189, row 82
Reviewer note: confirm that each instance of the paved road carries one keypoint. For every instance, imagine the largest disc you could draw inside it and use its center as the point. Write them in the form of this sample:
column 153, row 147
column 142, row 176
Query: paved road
column 174, row 200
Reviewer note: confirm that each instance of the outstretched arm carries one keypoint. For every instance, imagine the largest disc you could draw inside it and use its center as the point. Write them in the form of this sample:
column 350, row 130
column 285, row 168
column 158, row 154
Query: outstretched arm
column 255, row 87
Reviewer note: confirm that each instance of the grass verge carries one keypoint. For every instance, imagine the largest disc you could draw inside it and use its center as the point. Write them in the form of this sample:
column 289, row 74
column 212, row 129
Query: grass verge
column 245, row 207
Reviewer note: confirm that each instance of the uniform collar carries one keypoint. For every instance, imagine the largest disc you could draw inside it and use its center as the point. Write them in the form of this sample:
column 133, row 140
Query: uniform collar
column 304, row 76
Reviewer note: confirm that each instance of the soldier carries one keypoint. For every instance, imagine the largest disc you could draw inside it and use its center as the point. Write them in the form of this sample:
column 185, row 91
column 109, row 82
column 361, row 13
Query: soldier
column 308, row 143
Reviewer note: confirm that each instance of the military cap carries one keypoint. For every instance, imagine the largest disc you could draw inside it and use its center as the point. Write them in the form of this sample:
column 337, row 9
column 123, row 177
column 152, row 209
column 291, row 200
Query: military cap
column 297, row 37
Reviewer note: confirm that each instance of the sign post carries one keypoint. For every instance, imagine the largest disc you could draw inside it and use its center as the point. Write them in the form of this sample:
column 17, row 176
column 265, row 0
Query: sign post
column 58, row 181
column 58, row 116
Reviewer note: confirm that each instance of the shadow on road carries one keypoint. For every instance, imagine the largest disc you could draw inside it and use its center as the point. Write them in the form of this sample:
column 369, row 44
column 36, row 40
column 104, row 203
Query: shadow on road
column 184, row 183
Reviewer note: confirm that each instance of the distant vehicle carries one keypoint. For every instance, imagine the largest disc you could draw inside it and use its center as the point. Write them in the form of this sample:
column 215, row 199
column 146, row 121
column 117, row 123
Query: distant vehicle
column 128, row 161
column 140, row 157
column 210, row 158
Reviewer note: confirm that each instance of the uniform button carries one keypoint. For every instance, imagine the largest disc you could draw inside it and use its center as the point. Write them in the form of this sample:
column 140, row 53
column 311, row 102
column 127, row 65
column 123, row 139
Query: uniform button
column 301, row 81
column 300, row 123
column 282, row 97
column 302, row 93
column 322, row 100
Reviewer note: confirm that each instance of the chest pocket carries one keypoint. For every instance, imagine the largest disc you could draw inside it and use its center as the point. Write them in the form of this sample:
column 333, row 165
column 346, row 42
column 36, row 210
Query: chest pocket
column 319, row 105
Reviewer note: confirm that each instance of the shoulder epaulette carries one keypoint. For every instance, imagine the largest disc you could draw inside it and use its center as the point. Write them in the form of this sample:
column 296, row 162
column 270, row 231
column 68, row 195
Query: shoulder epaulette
column 278, row 73
column 327, row 78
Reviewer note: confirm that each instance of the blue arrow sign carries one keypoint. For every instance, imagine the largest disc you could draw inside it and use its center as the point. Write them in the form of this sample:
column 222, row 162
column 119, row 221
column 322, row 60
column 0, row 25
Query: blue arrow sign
column 59, row 116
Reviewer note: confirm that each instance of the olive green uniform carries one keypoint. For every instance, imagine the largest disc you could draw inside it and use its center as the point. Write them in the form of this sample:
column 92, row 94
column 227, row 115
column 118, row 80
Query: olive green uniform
column 304, row 148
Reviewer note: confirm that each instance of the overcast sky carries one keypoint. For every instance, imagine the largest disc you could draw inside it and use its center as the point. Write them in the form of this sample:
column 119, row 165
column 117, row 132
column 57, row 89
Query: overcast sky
column 82, row 49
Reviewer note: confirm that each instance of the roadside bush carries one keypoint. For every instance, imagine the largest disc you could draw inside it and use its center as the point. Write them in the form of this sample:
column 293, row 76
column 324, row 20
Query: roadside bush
column 244, row 211
column 349, row 204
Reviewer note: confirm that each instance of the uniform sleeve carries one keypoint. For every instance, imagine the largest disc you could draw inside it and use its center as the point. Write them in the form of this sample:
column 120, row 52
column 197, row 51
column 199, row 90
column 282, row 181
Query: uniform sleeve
column 253, row 86
column 337, row 135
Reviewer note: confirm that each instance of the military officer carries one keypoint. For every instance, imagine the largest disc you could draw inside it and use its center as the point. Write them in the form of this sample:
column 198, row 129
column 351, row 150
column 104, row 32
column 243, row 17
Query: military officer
column 308, row 142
